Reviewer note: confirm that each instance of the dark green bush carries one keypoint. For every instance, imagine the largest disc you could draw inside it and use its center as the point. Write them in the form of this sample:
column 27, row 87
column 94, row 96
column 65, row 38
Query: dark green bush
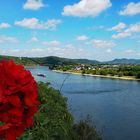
column 85, row 131
column 138, row 75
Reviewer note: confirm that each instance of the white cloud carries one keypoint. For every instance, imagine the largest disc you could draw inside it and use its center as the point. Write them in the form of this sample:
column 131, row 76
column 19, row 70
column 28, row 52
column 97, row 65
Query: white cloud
column 4, row 25
column 67, row 52
column 33, row 39
column 82, row 38
column 8, row 39
column 86, row 8
column 52, row 43
column 131, row 52
column 34, row 23
column 118, row 27
column 36, row 50
column 108, row 50
column 134, row 28
column 121, row 35
column 70, row 53
column 33, row 4
column 69, row 46
column 131, row 9
column 102, row 43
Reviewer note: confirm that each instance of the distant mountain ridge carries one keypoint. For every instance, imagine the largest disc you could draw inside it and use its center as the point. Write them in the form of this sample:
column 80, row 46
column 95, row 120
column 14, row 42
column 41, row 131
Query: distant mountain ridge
column 67, row 61
column 54, row 60
column 124, row 61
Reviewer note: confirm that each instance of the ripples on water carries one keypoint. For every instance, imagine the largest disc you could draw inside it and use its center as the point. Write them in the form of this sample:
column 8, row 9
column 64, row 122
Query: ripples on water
column 91, row 91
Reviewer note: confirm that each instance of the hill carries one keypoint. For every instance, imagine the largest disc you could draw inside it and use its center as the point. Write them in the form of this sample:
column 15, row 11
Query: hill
column 53, row 60
column 20, row 60
column 124, row 61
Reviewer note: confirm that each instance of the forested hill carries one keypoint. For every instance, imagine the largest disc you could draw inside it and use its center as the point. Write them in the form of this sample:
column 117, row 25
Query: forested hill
column 53, row 60
column 124, row 61
column 20, row 60
column 50, row 60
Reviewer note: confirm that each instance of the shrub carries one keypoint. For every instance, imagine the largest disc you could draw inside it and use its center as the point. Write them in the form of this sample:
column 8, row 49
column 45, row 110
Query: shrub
column 138, row 75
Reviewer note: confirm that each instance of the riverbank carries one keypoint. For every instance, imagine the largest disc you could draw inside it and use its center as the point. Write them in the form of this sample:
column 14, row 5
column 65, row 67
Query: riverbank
column 101, row 76
column 54, row 121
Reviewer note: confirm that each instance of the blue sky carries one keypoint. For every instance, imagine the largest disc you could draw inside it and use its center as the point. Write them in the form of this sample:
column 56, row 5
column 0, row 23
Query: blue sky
column 93, row 29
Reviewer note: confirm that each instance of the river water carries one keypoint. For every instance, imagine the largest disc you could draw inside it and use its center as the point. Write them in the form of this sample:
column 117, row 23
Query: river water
column 113, row 105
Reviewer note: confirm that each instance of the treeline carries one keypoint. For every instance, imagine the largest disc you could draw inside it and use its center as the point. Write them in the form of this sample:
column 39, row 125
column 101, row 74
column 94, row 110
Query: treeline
column 62, row 67
column 122, row 70
column 117, row 70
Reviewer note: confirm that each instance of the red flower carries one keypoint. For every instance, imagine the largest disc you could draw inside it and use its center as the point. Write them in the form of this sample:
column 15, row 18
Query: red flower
column 18, row 99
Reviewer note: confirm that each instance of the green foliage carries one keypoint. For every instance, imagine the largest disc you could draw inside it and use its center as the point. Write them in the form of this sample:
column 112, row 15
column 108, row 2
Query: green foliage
column 53, row 120
column 120, row 74
column 85, row 131
column 101, row 69
column 1, row 123
column 49, row 61
column 138, row 75
column 52, row 60
column 83, row 71
column 103, row 72
column 23, row 61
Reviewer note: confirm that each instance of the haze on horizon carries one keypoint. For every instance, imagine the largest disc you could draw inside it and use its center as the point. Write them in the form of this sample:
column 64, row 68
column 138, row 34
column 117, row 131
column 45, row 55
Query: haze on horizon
column 93, row 29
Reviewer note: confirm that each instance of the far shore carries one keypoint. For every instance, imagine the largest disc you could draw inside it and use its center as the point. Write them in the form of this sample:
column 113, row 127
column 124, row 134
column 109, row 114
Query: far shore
column 31, row 66
column 101, row 76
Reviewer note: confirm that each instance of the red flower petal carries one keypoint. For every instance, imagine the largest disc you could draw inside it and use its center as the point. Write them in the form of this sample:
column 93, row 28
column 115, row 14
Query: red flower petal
column 18, row 99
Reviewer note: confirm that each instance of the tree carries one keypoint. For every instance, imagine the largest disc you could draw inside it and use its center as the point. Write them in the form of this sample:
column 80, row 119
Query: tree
column 138, row 75
column 83, row 71
column 120, row 74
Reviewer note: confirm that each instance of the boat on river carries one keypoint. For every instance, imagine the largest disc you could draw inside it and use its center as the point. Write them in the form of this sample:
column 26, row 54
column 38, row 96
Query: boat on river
column 41, row 75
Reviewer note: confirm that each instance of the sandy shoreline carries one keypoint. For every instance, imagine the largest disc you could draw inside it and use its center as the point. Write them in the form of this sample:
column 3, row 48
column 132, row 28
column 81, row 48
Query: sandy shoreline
column 101, row 76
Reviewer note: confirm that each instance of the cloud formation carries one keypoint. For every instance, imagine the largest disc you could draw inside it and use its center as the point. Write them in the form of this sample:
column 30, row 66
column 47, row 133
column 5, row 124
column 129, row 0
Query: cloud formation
column 131, row 52
column 33, row 39
column 82, row 38
column 8, row 39
column 68, row 52
column 52, row 43
column 33, row 4
column 102, row 43
column 4, row 25
column 34, row 23
column 131, row 9
column 134, row 28
column 118, row 27
column 121, row 35
column 86, row 8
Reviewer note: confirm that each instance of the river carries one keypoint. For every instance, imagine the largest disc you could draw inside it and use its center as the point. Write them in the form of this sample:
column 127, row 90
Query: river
column 113, row 105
